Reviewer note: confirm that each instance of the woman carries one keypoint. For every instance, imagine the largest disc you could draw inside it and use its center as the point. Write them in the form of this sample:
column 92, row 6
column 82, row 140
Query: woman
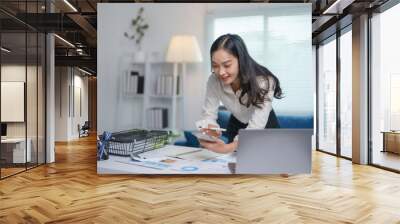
column 244, row 87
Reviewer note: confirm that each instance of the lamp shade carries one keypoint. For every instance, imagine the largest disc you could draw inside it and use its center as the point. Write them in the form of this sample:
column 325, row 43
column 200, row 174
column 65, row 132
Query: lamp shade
column 183, row 48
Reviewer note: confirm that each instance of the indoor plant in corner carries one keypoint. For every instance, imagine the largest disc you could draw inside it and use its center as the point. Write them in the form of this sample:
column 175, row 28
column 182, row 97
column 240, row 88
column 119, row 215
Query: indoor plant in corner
column 139, row 27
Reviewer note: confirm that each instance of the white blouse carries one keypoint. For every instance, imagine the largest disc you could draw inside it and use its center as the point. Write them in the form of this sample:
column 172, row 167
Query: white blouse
column 217, row 92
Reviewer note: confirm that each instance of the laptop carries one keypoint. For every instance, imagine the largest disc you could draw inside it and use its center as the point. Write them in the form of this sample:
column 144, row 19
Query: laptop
column 274, row 151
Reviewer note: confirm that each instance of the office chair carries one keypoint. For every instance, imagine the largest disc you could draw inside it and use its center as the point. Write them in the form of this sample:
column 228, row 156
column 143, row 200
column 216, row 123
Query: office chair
column 84, row 130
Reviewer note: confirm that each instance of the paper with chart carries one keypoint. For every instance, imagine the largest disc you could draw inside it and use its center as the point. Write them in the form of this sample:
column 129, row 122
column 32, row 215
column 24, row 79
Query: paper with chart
column 192, row 161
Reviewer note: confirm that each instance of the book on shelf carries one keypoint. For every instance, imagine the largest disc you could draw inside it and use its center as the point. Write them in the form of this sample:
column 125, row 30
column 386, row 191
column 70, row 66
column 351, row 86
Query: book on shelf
column 134, row 83
column 164, row 85
column 178, row 85
column 140, row 85
column 158, row 118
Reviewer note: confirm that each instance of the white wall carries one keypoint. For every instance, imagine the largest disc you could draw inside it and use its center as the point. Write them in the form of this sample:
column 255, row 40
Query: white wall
column 67, row 79
column 165, row 21
column 15, row 72
column 61, row 103
column 80, row 82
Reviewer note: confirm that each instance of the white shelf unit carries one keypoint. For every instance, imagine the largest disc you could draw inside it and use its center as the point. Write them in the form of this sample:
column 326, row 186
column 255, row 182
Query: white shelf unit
column 150, row 99
column 129, row 99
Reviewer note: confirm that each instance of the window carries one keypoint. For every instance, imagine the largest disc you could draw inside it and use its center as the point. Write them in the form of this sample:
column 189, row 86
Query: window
column 281, row 41
column 385, row 89
column 249, row 28
column 346, row 94
column 327, row 96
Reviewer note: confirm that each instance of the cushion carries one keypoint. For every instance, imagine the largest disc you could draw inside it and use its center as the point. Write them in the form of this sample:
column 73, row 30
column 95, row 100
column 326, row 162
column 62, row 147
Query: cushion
column 285, row 121
column 191, row 140
column 295, row 121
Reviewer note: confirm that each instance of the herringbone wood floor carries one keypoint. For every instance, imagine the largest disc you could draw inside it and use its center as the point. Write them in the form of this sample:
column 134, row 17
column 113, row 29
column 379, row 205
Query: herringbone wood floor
column 70, row 191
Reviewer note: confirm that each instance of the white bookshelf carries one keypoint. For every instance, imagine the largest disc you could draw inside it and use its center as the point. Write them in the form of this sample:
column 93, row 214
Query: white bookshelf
column 151, row 71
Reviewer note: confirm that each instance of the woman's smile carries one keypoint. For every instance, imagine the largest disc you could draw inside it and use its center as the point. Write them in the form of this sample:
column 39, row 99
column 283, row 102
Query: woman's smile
column 225, row 77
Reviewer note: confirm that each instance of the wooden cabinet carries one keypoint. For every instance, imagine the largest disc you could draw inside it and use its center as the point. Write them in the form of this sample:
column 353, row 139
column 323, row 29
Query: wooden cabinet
column 391, row 142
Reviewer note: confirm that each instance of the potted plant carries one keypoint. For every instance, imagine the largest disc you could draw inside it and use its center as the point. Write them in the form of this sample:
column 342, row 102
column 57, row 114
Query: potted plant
column 139, row 27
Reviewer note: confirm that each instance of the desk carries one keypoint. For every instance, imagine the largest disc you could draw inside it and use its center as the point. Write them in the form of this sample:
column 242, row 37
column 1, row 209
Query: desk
column 16, row 147
column 206, row 161
column 391, row 141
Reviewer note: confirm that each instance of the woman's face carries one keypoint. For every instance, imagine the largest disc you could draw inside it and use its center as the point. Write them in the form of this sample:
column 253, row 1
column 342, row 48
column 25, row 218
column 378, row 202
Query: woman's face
column 225, row 66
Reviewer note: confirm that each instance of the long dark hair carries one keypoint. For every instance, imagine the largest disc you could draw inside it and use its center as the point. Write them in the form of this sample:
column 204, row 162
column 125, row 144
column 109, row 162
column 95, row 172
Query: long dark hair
column 249, row 70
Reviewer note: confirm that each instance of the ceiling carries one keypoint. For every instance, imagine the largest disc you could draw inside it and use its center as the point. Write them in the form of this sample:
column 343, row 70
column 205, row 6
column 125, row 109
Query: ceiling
column 77, row 22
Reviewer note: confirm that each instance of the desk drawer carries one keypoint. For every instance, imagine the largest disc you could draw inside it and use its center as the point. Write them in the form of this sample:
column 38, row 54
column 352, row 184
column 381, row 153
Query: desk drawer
column 15, row 152
column 6, row 153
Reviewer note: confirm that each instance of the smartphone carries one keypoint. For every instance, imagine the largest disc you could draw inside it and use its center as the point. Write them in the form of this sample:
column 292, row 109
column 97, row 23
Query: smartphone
column 205, row 137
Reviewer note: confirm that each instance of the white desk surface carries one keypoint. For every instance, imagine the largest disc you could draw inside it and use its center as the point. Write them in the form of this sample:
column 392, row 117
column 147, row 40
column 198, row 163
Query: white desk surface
column 13, row 140
column 20, row 153
column 206, row 161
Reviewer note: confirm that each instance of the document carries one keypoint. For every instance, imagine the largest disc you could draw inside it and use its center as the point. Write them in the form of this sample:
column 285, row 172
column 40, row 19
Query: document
column 181, row 160
column 183, row 166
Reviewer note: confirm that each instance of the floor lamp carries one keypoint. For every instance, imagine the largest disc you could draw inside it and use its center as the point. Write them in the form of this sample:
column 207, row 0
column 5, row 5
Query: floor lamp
column 182, row 49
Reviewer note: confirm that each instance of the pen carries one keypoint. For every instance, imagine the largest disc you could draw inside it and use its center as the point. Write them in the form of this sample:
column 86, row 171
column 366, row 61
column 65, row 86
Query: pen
column 216, row 129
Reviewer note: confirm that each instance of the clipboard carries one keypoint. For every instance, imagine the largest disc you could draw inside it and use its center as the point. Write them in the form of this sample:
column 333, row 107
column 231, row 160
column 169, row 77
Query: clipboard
column 205, row 137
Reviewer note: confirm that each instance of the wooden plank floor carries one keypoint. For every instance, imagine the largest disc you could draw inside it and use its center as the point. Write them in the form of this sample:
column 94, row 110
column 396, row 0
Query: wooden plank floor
column 70, row 191
column 10, row 171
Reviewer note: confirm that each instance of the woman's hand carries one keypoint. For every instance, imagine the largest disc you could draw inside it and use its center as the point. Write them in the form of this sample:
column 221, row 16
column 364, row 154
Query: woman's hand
column 219, row 146
column 209, row 132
